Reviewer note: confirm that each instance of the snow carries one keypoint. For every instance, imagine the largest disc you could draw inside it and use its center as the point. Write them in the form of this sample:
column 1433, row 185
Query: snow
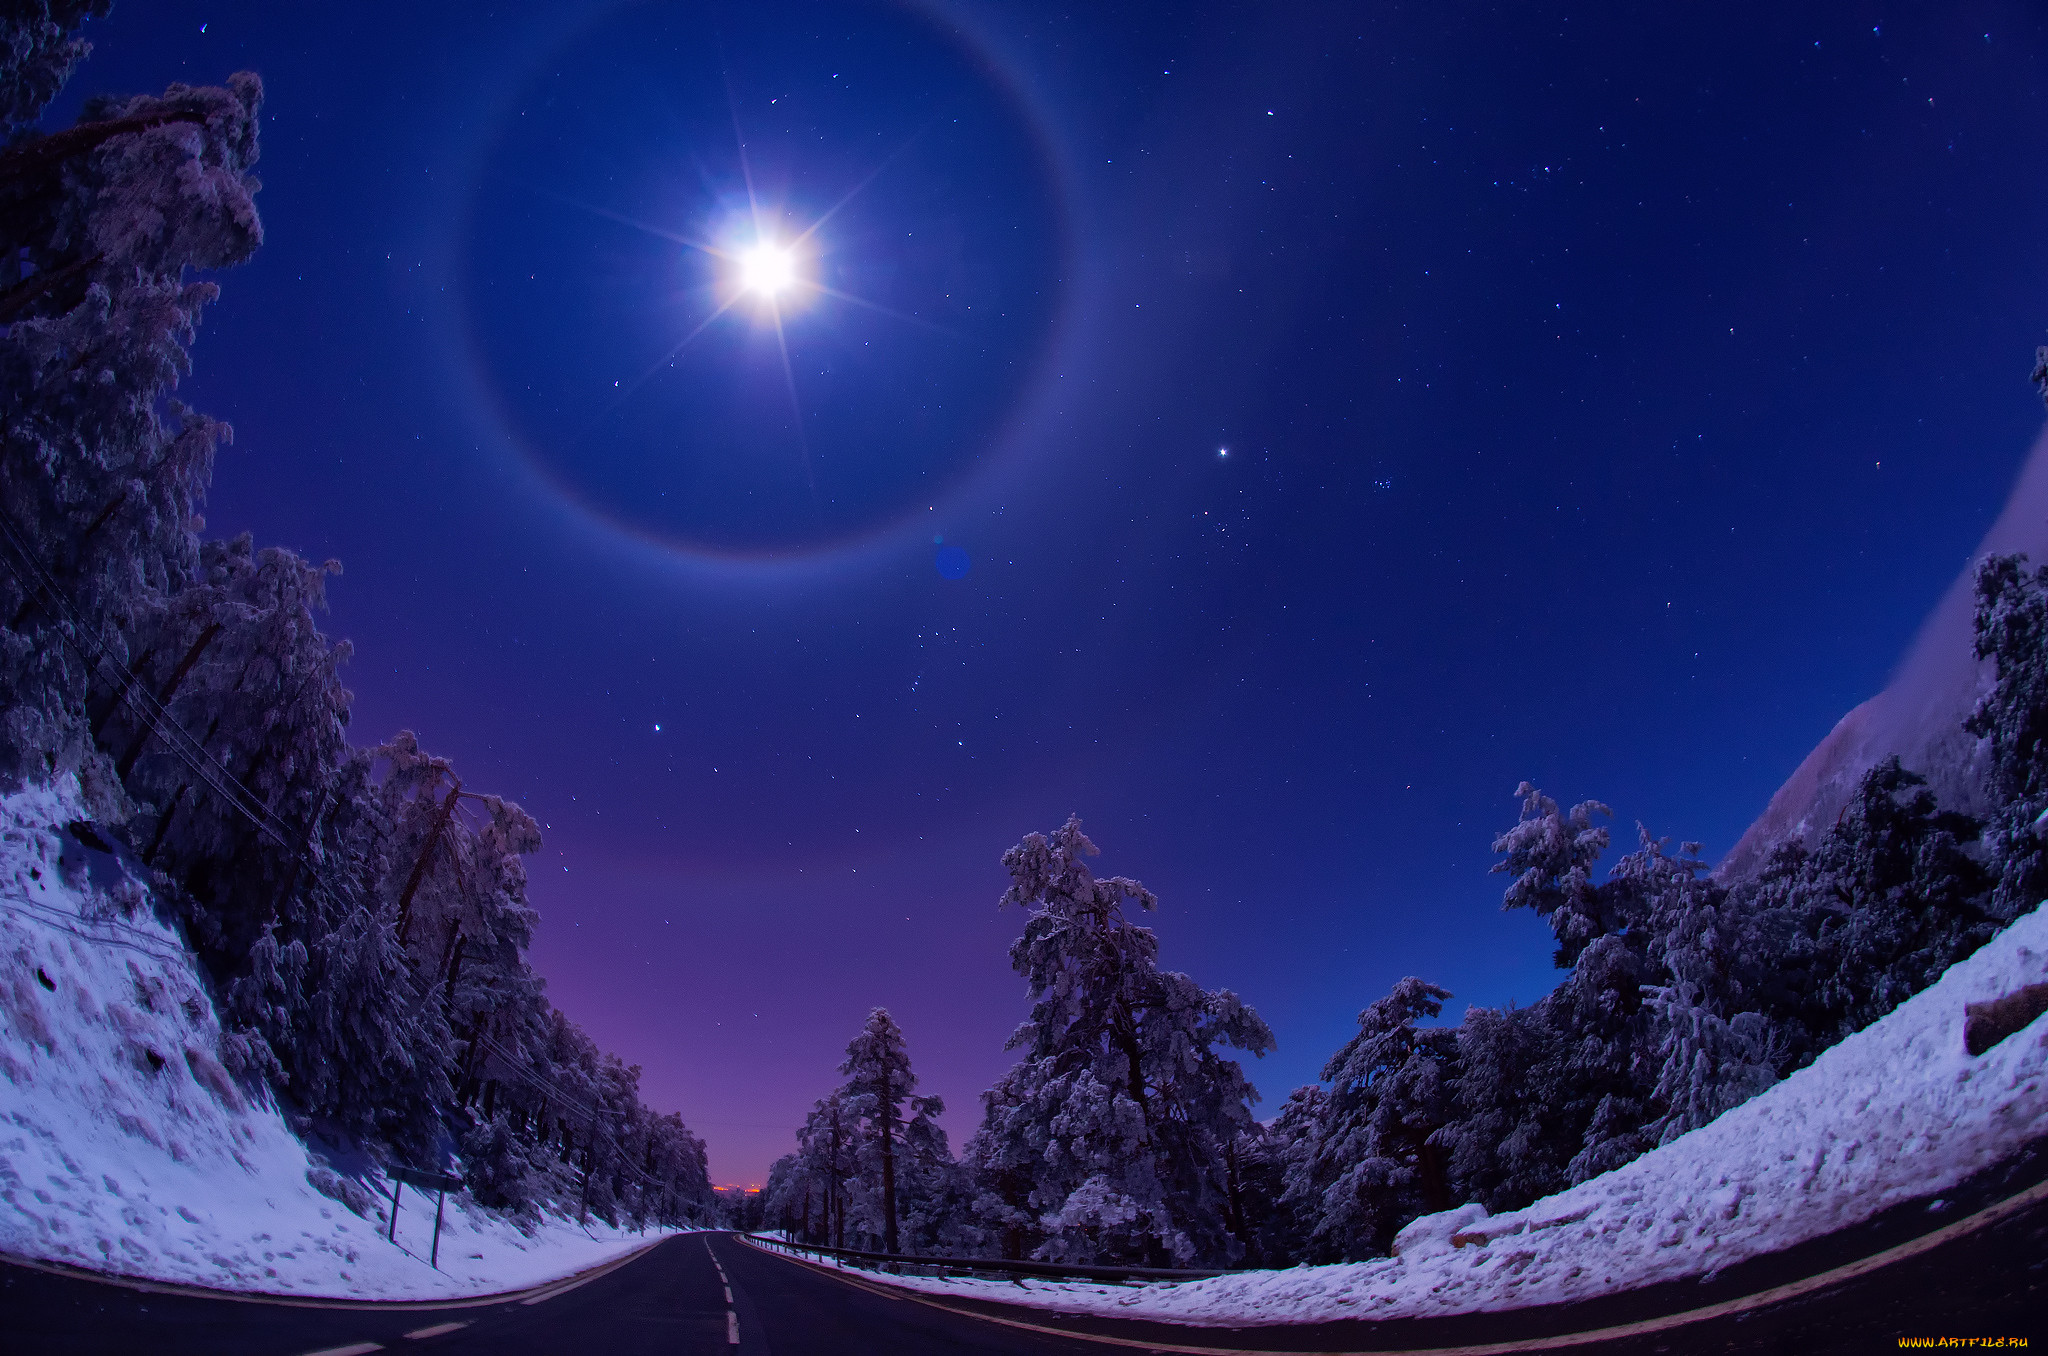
column 126, row 1148
column 1895, row 1113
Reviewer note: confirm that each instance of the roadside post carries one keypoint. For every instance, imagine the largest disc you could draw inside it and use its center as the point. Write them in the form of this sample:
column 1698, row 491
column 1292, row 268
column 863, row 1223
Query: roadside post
column 436, row 1182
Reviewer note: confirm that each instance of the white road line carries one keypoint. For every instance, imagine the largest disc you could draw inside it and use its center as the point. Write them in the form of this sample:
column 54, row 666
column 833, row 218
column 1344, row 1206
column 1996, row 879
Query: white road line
column 565, row 1287
column 359, row 1349
column 545, row 1290
column 728, row 1294
column 417, row 1333
column 732, row 1328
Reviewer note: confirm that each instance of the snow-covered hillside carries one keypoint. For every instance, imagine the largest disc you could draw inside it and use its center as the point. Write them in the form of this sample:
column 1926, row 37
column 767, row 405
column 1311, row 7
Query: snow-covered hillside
column 126, row 1147
column 1894, row 1113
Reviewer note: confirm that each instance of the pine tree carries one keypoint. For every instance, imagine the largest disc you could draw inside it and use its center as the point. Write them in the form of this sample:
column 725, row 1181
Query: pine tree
column 1274, row 1225
column 101, row 471
column 1509, row 1141
column 1888, row 900
column 1551, row 856
column 43, row 46
column 188, row 686
column 1714, row 1048
column 1110, row 1137
column 878, row 1081
column 933, row 1190
column 1375, row 1163
column 2012, row 632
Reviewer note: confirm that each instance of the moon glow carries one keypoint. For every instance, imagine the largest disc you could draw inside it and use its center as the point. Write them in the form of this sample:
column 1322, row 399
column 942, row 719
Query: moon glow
column 767, row 270
column 807, row 309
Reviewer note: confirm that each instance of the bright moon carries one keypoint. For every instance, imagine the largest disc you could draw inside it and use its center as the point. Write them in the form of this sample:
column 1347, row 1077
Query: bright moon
column 767, row 269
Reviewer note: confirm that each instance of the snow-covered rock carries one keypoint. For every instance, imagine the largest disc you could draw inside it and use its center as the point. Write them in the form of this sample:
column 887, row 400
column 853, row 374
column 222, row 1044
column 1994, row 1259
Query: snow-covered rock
column 126, row 1147
column 1894, row 1113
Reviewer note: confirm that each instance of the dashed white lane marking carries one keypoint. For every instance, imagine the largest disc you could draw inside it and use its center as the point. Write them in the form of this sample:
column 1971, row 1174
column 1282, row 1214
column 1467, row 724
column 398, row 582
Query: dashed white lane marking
column 732, row 1318
column 417, row 1333
column 354, row 1349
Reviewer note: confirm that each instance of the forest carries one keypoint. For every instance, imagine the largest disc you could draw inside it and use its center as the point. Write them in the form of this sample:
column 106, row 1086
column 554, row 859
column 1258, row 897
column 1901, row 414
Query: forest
column 363, row 918
column 361, row 913
column 1123, row 1134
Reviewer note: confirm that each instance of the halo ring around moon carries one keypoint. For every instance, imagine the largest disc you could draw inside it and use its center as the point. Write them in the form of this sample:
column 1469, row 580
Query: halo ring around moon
column 906, row 519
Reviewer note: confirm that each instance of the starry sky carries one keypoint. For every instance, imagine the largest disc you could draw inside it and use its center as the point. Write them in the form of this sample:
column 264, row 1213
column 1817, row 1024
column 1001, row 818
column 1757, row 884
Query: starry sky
column 1268, row 431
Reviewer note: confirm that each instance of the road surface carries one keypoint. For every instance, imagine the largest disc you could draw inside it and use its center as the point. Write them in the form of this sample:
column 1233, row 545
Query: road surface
column 714, row 1295
column 673, row 1300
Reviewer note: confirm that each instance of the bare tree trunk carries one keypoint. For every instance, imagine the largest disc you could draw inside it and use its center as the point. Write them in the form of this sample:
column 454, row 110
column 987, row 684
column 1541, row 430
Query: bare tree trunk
column 1429, row 1161
column 888, row 1128
column 163, row 698
column 419, row 868
column 454, row 969
column 120, row 692
column 163, row 825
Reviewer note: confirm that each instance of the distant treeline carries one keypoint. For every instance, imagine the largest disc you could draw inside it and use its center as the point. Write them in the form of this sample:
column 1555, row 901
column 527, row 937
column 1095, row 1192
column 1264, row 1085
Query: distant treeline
column 1123, row 1136
column 362, row 915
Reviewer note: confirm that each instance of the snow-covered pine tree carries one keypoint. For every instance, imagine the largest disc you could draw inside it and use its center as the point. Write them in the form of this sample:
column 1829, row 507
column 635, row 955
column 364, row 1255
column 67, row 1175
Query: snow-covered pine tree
column 1551, row 856
column 1715, row 1048
column 932, row 1190
column 828, row 1156
column 273, row 839
column 238, row 661
column 1275, row 1227
column 1109, row 1139
column 43, row 46
column 1888, row 899
column 1375, row 1162
column 879, row 1080
column 101, row 472
column 1509, row 1142
column 2012, row 632
column 455, row 889
column 1602, row 1082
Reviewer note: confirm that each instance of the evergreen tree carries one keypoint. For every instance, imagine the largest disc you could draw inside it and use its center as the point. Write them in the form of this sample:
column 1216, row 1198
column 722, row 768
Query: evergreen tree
column 827, row 1164
column 43, row 46
column 1275, row 1226
column 1375, row 1162
column 878, row 1081
column 189, row 688
column 1110, row 1137
column 933, row 1190
column 1887, row 901
column 2012, row 632
column 101, row 472
column 1510, row 1140
column 1551, row 856
column 1713, row 1048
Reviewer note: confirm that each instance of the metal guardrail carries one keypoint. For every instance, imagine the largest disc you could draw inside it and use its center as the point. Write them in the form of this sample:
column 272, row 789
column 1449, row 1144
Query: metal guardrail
column 998, row 1267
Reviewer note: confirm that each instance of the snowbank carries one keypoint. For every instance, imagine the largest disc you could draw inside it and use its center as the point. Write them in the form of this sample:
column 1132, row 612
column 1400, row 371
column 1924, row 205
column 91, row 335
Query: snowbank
column 1896, row 1112
column 125, row 1147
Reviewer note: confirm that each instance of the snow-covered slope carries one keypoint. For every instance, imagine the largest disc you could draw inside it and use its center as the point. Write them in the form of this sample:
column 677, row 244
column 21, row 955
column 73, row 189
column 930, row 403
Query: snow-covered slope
column 125, row 1147
column 1896, row 1112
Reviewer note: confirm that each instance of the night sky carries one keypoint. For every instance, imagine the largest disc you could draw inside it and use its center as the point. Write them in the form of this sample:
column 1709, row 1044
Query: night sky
column 1608, row 392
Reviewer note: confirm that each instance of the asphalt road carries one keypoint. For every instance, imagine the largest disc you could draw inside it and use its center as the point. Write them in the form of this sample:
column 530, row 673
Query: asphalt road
column 673, row 1301
column 713, row 1295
